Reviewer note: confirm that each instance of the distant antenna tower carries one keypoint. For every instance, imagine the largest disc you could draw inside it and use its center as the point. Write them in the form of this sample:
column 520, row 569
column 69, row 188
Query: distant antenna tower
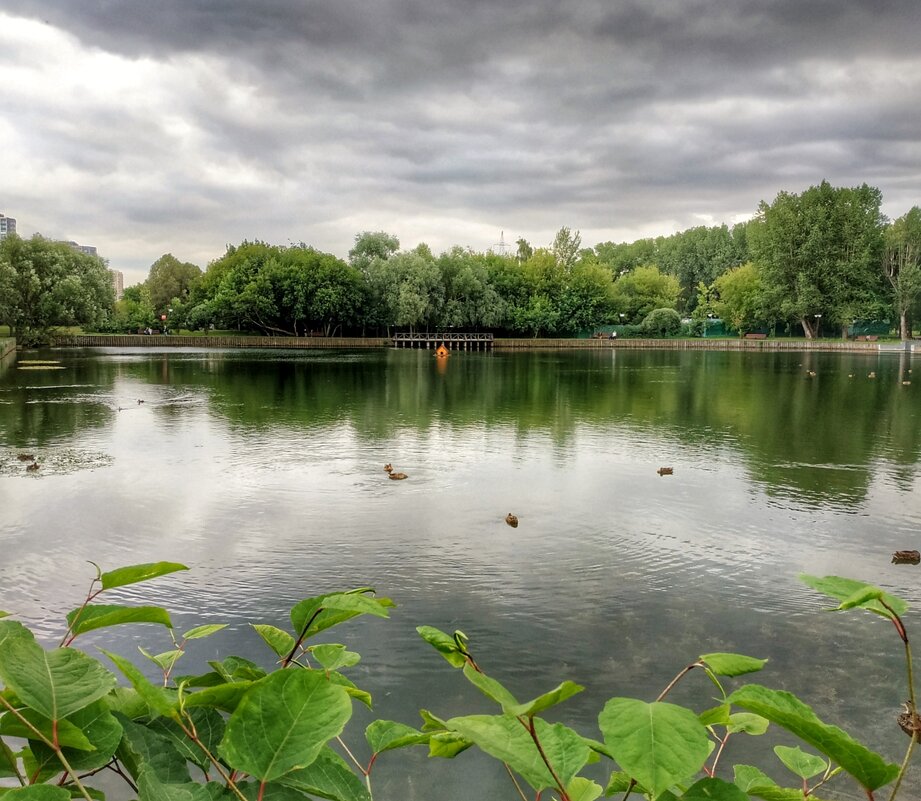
column 501, row 247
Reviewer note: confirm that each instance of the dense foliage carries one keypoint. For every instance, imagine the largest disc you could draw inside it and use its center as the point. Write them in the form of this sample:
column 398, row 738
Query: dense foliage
column 45, row 284
column 824, row 259
column 242, row 732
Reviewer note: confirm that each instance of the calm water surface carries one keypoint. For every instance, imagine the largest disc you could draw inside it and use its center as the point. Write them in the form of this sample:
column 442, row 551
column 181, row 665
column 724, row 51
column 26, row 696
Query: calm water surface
column 263, row 471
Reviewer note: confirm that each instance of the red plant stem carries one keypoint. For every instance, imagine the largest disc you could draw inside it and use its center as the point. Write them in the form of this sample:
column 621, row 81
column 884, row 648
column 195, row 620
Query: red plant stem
column 678, row 678
column 261, row 791
column 540, row 750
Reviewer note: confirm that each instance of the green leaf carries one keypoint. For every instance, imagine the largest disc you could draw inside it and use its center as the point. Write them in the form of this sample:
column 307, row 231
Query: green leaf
column 283, row 722
column 11, row 630
column 326, row 611
column 69, row 735
column 328, row 776
column 349, row 686
column 507, row 739
column 99, row 728
column 97, row 616
column 620, row 782
column 36, row 792
column 4, row 614
column 144, row 750
column 530, row 708
column 333, row 656
column 55, row 683
column 444, row 644
column 759, row 785
column 658, row 744
column 133, row 574
column 152, row 788
column 748, row 723
column 385, row 735
column 861, row 598
column 128, row 701
column 209, row 728
column 732, row 664
column 157, row 698
column 236, row 668
column 448, row 744
column 490, row 688
column 223, row 696
column 787, row 711
column 279, row 641
column 164, row 661
column 718, row 715
column 799, row 762
column 713, row 790
column 580, row 789
column 203, row 631
column 431, row 722
column 843, row 589
column 8, row 762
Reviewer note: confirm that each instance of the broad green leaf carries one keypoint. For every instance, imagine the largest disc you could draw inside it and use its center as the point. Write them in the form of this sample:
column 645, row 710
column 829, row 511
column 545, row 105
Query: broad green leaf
column 328, row 776
column 333, row 656
column 841, row 589
column 799, row 762
column 133, row 574
column 210, row 679
column 69, row 735
column 732, row 664
column 92, row 792
column 530, row 708
column 97, row 616
column 658, row 744
column 506, row 738
column 861, row 598
column 580, row 789
column 236, row 668
column 223, row 696
column 152, row 788
column 11, row 630
column 444, row 644
column 718, row 715
column 55, row 683
column 448, row 744
column 279, row 641
column 713, row 790
column 38, row 771
column 99, row 727
column 748, row 776
column 620, row 782
column 128, row 701
column 757, row 784
column 283, row 722
column 326, row 611
column 787, row 711
column 164, row 661
column 490, row 688
column 349, row 686
column 36, row 792
column 157, row 698
column 144, row 750
column 271, row 791
column 748, row 723
column 7, row 761
column 385, row 735
column 203, row 631
column 209, row 728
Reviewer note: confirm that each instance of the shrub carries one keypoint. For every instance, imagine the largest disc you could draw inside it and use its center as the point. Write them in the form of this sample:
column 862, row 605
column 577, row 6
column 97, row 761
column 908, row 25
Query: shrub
column 662, row 323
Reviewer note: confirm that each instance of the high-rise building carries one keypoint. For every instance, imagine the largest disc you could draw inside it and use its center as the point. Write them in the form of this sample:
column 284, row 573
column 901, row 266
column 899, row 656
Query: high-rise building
column 86, row 250
column 118, row 283
column 7, row 226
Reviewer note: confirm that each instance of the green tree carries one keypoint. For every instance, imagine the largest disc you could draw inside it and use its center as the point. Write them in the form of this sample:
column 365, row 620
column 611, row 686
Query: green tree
column 134, row 312
column 739, row 297
column 643, row 289
column 171, row 280
column 819, row 253
column 370, row 245
column 525, row 251
column 44, row 284
column 902, row 265
column 565, row 247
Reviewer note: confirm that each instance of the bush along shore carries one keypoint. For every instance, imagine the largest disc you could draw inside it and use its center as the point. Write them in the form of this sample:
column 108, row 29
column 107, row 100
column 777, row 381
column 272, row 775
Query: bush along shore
column 242, row 732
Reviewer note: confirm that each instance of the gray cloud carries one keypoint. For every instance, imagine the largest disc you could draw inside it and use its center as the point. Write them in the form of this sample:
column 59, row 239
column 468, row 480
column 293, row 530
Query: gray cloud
column 186, row 124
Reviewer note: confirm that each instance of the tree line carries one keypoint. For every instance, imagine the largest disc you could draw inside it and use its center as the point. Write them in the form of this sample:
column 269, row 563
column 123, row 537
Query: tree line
column 821, row 259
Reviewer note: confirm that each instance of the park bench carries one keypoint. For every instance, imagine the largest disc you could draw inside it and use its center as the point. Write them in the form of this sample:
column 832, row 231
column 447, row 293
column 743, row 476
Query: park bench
column 867, row 338
column 756, row 336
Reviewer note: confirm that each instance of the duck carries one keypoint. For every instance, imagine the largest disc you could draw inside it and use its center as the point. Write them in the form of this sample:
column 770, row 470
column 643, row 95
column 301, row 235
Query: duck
column 388, row 468
column 512, row 520
column 33, row 467
column 906, row 558
column 140, row 401
column 398, row 476
column 665, row 471
column 25, row 457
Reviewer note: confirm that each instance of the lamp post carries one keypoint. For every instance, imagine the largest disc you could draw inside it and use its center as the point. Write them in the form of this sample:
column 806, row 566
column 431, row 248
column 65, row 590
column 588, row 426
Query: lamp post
column 818, row 322
column 708, row 323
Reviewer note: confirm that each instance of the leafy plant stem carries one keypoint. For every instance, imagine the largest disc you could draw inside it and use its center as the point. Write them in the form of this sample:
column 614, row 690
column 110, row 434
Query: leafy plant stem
column 712, row 770
column 529, row 725
column 351, row 756
column 287, row 660
column 68, row 637
column 515, row 782
column 77, row 783
column 629, row 790
column 904, row 766
column 231, row 784
column 678, row 678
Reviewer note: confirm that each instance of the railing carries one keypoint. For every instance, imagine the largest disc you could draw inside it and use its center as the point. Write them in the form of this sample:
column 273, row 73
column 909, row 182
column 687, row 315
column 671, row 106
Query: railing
column 452, row 340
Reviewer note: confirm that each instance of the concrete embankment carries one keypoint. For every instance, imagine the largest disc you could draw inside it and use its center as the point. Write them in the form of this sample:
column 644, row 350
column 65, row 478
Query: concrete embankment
column 7, row 346
column 353, row 343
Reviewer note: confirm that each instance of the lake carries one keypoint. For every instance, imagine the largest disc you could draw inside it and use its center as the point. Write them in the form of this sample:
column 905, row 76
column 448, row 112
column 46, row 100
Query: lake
column 263, row 471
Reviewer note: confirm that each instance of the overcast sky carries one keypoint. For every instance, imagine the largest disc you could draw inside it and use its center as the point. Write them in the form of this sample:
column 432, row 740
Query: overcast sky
column 152, row 126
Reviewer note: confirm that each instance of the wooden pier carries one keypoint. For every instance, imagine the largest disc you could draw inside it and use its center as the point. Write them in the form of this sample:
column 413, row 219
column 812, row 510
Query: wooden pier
column 452, row 341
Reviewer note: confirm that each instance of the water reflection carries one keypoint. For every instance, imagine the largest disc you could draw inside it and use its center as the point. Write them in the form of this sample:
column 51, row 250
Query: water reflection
column 263, row 471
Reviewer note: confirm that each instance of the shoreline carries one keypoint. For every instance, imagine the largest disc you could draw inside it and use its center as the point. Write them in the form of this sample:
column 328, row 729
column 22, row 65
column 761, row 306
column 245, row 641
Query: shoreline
column 362, row 343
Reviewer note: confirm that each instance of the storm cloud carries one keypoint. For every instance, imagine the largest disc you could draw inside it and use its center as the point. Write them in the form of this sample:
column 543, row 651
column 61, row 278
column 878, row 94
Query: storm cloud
column 184, row 125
